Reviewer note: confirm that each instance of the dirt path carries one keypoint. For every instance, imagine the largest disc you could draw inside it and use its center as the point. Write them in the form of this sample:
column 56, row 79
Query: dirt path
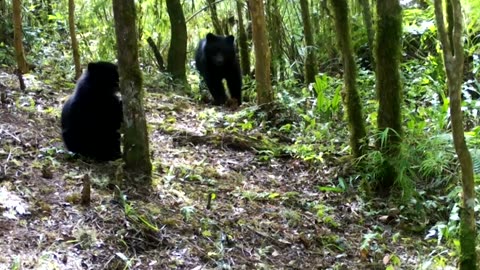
column 263, row 214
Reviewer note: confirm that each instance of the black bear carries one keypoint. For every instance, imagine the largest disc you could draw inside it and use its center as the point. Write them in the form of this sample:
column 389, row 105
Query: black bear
column 216, row 60
column 92, row 116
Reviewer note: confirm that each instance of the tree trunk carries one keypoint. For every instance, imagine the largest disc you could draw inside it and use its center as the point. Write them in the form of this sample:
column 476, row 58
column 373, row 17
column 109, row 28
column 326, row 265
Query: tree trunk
column 18, row 36
column 73, row 36
column 135, row 141
column 272, row 30
column 352, row 98
column 177, row 53
column 450, row 21
column 227, row 25
column 262, row 53
column 388, row 87
column 274, row 27
column 242, row 41
column 309, row 65
column 213, row 13
column 157, row 54
column 451, row 40
column 367, row 20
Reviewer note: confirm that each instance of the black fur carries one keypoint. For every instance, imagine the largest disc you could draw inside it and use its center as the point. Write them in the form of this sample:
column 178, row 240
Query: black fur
column 215, row 59
column 92, row 116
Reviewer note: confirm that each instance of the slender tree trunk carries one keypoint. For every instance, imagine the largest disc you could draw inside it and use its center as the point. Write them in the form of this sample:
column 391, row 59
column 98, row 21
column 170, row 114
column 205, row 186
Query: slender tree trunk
column 274, row 28
column 18, row 36
column 367, row 20
column 451, row 40
column 450, row 21
column 177, row 53
column 262, row 53
column 352, row 98
column 242, row 41
column 388, row 86
column 73, row 36
column 309, row 67
column 135, row 141
column 215, row 21
column 227, row 25
column 279, row 39
column 157, row 54
column 249, row 24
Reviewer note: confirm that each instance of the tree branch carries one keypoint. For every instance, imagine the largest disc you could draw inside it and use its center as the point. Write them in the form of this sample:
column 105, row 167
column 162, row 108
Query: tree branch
column 457, row 32
column 442, row 32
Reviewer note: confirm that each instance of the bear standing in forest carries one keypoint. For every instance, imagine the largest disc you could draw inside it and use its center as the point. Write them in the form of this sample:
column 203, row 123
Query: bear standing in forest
column 92, row 116
column 216, row 60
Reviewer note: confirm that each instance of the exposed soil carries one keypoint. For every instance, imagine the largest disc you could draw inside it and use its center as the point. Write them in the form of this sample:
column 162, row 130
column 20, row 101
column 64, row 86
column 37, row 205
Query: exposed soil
column 262, row 214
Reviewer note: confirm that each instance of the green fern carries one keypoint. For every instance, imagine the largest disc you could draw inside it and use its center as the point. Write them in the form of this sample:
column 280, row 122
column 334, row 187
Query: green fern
column 476, row 160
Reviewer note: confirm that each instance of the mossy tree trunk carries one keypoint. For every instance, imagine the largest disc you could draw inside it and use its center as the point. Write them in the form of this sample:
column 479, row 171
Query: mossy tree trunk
column 453, row 58
column 388, row 87
column 275, row 34
column 242, row 41
column 18, row 36
column 272, row 30
column 352, row 98
column 450, row 21
column 214, row 16
column 73, row 37
column 136, row 152
column 367, row 20
column 309, row 65
column 262, row 53
column 177, row 53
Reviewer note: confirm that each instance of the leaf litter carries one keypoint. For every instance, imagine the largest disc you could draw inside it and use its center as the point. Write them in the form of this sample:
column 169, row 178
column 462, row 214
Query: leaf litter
column 211, row 207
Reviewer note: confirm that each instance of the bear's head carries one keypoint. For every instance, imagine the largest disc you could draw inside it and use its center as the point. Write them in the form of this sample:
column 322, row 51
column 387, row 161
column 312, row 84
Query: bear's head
column 104, row 74
column 220, row 50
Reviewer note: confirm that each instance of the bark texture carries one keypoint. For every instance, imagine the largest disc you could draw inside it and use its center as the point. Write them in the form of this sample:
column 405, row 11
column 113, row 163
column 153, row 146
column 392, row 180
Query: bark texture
column 388, row 87
column 453, row 57
column 73, row 37
column 177, row 53
column 274, row 28
column 18, row 36
column 367, row 21
column 138, row 166
column 242, row 41
column 309, row 65
column 215, row 20
column 262, row 53
column 157, row 54
column 352, row 98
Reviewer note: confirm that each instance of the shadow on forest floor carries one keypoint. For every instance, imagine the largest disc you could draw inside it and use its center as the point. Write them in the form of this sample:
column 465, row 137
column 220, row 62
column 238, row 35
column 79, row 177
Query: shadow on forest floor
column 265, row 214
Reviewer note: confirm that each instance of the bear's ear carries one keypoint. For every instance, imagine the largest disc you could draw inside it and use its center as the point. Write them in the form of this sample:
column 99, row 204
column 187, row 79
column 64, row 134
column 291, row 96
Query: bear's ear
column 211, row 37
column 230, row 39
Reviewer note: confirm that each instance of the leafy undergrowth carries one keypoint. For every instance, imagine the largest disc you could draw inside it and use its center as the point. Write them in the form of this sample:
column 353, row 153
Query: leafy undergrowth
column 212, row 205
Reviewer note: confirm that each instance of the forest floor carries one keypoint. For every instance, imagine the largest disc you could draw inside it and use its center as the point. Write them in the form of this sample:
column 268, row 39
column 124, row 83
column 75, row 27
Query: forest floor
column 262, row 214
